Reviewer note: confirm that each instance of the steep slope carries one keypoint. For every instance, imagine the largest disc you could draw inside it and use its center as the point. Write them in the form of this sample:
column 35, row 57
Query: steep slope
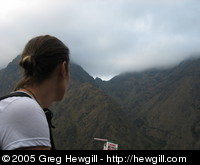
column 155, row 109
column 9, row 76
column 85, row 112
column 171, row 117
column 164, row 105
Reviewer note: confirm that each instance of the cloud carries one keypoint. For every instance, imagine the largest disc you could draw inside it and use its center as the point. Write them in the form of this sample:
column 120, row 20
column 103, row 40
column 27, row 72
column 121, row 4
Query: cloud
column 106, row 37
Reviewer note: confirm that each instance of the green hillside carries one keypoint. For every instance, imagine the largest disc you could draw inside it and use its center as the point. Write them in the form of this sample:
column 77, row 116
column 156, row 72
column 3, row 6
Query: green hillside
column 164, row 105
column 153, row 109
column 85, row 112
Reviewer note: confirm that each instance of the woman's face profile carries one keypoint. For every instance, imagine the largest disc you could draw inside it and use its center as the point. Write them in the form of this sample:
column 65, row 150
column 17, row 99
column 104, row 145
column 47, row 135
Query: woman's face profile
column 64, row 81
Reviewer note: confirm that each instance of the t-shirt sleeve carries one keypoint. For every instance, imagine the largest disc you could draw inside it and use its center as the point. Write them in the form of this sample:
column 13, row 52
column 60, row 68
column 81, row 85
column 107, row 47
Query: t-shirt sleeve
column 26, row 125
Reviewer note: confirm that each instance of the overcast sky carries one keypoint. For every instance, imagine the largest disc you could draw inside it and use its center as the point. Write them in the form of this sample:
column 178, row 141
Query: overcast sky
column 106, row 37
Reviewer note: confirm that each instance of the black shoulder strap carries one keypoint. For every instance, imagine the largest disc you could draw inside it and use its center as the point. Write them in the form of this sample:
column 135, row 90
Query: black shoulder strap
column 21, row 94
column 48, row 114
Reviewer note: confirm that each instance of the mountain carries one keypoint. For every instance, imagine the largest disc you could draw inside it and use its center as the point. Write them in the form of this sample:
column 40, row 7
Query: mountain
column 153, row 109
column 9, row 76
column 164, row 105
column 85, row 112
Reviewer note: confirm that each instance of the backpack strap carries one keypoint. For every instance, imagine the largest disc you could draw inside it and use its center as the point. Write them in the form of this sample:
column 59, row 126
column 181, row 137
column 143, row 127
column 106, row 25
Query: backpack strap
column 47, row 112
column 21, row 94
column 49, row 116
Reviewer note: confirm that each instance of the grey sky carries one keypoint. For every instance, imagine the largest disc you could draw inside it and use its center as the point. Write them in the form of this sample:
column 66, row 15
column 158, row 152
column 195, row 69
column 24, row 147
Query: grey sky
column 106, row 37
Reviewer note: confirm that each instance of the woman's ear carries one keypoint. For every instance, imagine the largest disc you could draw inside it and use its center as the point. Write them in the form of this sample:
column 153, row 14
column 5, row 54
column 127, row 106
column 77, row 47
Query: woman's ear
column 63, row 70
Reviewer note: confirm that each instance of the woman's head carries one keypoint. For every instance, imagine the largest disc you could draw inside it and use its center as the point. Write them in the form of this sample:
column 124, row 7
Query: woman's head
column 40, row 58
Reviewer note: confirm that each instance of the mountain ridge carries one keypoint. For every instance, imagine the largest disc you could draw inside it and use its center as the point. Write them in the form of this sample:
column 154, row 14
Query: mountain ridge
column 84, row 113
column 164, row 105
column 153, row 109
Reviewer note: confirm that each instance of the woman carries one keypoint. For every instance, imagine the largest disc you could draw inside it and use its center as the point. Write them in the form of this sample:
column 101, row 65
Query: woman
column 23, row 124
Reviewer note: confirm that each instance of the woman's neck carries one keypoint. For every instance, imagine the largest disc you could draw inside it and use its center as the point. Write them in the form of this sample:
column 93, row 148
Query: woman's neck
column 41, row 94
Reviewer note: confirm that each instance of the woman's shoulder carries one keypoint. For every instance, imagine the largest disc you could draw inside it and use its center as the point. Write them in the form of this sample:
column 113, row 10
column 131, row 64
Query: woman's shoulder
column 23, row 123
column 22, row 105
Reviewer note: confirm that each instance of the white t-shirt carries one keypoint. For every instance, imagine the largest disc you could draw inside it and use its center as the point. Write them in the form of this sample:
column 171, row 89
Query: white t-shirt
column 22, row 124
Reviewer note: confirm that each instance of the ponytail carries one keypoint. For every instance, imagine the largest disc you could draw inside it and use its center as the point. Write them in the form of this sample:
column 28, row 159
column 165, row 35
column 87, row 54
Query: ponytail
column 40, row 57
